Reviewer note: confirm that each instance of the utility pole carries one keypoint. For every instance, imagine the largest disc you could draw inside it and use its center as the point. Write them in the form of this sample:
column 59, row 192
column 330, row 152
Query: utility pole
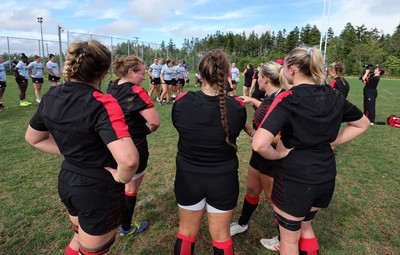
column 60, row 30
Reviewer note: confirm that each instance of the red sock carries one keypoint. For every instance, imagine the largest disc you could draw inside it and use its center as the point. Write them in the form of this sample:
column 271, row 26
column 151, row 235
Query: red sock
column 308, row 246
column 223, row 248
column 70, row 251
column 184, row 245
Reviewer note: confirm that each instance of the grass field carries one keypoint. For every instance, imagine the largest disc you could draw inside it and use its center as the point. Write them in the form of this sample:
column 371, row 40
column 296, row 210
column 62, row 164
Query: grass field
column 363, row 217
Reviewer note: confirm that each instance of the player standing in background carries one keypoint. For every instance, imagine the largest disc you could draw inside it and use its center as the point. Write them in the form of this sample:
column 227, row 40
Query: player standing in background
column 3, row 79
column 54, row 71
column 21, row 74
column 36, row 70
column 154, row 72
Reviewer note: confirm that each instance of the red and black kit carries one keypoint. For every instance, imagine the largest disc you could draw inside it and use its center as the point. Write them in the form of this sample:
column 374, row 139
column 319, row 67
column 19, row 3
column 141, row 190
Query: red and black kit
column 202, row 149
column 82, row 121
column 309, row 118
column 341, row 85
column 133, row 99
column 259, row 163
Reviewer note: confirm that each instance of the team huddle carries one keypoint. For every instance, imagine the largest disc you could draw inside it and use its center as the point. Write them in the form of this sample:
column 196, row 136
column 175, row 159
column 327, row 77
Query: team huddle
column 102, row 137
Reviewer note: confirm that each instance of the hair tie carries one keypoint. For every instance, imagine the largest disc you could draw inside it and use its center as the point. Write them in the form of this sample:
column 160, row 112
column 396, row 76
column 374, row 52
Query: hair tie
column 309, row 51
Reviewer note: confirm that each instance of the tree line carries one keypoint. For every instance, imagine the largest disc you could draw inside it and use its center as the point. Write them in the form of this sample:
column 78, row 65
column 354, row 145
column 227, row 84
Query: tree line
column 355, row 46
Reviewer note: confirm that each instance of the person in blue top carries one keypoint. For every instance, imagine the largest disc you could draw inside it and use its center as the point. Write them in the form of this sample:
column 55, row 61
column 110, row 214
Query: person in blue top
column 235, row 77
column 21, row 77
column 3, row 79
column 166, row 74
column 36, row 69
column 54, row 71
column 182, row 76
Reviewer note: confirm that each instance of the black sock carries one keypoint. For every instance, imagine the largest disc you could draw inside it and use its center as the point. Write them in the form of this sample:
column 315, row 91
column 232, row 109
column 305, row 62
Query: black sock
column 127, row 211
column 249, row 206
column 184, row 245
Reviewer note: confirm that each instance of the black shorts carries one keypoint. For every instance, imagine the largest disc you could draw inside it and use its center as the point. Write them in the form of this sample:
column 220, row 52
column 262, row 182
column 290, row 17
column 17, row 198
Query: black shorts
column 264, row 166
column 20, row 80
column 155, row 81
column 234, row 82
column 97, row 204
column 173, row 82
column 3, row 84
column 168, row 82
column 247, row 84
column 181, row 82
column 37, row 80
column 297, row 198
column 53, row 78
column 143, row 149
column 220, row 190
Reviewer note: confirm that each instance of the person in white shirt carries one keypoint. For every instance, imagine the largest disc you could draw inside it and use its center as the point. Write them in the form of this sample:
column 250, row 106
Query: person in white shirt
column 54, row 71
column 36, row 70
column 21, row 77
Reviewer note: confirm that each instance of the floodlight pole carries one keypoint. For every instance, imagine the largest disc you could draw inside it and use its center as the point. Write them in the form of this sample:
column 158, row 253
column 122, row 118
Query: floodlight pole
column 40, row 20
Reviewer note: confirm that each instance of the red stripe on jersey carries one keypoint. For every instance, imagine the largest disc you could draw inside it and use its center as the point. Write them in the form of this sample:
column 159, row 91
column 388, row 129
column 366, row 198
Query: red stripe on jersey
column 143, row 95
column 240, row 101
column 115, row 113
column 367, row 80
column 180, row 96
column 276, row 101
column 332, row 83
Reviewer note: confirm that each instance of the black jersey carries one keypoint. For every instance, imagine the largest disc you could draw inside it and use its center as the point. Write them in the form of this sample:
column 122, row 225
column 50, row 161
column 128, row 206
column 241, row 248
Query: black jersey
column 263, row 109
column 371, row 83
column 202, row 147
column 309, row 118
column 257, row 93
column 341, row 85
column 132, row 99
column 248, row 77
column 82, row 121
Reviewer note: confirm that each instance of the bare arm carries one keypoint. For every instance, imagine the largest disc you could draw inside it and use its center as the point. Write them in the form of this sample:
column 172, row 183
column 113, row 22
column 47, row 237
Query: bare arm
column 151, row 116
column 366, row 74
column 42, row 140
column 262, row 144
column 253, row 84
column 247, row 99
column 351, row 131
column 125, row 153
column 249, row 130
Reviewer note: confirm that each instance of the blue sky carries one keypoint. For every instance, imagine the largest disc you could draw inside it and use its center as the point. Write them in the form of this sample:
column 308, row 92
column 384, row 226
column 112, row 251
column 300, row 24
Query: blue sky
column 157, row 20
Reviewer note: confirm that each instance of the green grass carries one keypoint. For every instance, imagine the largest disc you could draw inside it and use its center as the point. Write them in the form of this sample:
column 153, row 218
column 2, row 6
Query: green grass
column 363, row 217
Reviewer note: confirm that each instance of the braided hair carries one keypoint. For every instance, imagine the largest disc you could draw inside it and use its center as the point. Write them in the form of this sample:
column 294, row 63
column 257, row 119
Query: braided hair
column 214, row 69
column 86, row 61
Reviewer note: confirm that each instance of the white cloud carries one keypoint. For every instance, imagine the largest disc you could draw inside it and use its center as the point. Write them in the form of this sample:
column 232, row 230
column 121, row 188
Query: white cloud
column 228, row 15
column 155, row 11
column 384, row 15
column 120, row 28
